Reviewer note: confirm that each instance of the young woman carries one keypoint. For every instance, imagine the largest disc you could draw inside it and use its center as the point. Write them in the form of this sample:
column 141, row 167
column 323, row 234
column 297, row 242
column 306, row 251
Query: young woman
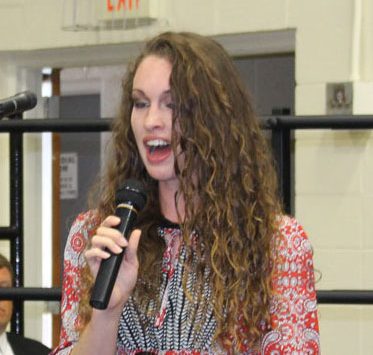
column 218, row 269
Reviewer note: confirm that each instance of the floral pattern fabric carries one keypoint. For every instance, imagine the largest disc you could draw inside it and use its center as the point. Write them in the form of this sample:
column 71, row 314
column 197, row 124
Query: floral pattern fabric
column 294, row 321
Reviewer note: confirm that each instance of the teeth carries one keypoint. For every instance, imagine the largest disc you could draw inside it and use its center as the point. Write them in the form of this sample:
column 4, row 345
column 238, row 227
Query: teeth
column 157, row 143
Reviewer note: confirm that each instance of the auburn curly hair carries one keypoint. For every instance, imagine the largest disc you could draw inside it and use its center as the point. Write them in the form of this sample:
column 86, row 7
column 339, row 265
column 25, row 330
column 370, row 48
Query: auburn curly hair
column 229, row 167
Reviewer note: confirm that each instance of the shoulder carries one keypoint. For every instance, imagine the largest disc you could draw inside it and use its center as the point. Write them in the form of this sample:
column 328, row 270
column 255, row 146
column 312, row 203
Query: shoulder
column 291, row 237
column 293, row 253
column 293, row 259
column 19, row 345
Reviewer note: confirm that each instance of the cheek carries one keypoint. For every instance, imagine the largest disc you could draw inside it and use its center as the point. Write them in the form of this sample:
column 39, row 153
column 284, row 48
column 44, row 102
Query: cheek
column 132, row 121
column 135, row 128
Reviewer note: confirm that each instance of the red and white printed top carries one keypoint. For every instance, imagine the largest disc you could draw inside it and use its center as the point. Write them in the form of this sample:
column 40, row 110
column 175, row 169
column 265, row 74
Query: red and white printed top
column 293, row 308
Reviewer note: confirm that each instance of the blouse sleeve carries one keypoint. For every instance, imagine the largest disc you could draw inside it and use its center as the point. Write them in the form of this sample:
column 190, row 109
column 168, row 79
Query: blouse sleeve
column 294, row 320
column 74, row 261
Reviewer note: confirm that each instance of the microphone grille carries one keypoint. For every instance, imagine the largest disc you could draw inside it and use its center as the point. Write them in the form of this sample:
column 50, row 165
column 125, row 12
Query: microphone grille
column 29, row 99
column 132, row 191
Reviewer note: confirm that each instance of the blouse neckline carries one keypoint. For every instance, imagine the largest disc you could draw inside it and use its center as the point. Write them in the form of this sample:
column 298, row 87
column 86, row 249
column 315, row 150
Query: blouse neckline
column 166, row 223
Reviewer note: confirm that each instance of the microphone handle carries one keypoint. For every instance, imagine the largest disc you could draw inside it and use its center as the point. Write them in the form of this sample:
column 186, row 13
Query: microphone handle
column 108, row 271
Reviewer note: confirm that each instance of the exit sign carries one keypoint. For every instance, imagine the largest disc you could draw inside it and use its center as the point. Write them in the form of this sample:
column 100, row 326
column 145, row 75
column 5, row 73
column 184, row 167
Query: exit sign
column 96, row 15
column 108, row 10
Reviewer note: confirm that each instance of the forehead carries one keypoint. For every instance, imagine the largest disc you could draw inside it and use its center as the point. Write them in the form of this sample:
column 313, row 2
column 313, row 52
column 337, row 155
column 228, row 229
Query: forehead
column 152, row 71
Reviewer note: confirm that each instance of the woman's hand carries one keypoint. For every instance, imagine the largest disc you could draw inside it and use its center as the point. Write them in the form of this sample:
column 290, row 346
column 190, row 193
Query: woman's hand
column 107, row 237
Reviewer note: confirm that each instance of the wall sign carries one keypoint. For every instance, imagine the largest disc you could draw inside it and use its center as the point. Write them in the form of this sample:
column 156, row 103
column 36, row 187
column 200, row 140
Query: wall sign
column 339, row 98
column 98, row 15
column 68, row 176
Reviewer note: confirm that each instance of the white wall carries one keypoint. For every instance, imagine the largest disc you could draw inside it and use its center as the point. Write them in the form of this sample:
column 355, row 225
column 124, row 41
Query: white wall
column 334, row 170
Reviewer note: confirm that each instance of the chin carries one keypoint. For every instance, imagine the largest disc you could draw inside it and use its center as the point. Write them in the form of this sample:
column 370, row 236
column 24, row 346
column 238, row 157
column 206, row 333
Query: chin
column 161, row 174
column 162, row 178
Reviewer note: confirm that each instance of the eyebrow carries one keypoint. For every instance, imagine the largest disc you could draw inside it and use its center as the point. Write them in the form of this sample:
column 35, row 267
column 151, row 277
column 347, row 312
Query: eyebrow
column 134, row 91
column 139, row 91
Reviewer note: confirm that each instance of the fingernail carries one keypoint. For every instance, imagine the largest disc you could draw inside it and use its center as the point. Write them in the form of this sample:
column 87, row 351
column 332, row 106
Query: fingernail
column 106, row 255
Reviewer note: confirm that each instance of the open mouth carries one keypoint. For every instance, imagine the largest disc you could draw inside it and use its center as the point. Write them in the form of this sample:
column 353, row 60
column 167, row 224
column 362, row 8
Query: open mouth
column 157, row 146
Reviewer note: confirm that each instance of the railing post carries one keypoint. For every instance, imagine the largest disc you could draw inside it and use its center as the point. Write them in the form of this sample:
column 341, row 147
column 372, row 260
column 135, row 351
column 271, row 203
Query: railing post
column 16, row 221
column 281, row 147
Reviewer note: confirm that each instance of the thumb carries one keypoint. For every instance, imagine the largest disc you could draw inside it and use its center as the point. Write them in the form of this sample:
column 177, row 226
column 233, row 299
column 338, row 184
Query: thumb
column 133, row 243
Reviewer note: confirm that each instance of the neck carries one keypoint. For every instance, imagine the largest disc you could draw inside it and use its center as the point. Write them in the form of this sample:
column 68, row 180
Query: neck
column 171, row 205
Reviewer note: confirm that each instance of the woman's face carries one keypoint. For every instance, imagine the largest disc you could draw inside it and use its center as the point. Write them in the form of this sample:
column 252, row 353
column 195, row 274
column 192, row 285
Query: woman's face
column 151, row 118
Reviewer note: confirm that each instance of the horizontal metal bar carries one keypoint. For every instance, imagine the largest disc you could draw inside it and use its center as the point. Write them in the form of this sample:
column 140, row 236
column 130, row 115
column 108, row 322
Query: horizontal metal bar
column 54, row 294
column 31, row 293
column 104, row 124
column 318, row 122
column 56, row 125
column 8, row 232
column 345, row 296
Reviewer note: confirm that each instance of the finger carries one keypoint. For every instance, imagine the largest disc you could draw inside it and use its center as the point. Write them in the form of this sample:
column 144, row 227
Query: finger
column 111, row 221
column 102, row 242
column 96, row 253
column 133, row 243
column 113, row 234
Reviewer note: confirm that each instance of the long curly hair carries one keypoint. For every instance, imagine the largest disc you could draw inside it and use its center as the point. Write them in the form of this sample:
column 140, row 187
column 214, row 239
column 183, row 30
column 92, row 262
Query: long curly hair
column 229, row 167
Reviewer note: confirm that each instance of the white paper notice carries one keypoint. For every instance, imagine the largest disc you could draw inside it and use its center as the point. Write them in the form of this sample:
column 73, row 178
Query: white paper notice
column 69, row 176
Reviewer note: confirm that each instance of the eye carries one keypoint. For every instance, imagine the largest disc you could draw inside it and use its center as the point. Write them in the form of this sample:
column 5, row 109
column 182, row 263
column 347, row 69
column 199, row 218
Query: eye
column 139, row 104
column 170, row 105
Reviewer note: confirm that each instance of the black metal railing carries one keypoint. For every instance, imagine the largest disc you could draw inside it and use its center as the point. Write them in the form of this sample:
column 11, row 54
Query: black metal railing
column 281, row 128
column 16, row 127
column 54, row 294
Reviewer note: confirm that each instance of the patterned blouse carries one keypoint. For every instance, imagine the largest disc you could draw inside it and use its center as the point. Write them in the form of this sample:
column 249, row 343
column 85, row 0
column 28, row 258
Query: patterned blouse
column 294, row 322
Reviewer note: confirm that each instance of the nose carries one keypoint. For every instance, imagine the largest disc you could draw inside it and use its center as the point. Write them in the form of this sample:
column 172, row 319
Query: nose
column 154, row 118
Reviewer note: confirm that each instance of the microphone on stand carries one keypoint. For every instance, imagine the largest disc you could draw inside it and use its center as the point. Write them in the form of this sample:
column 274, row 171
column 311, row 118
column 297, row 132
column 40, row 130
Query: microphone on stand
column 130, row 199
column 18, row 103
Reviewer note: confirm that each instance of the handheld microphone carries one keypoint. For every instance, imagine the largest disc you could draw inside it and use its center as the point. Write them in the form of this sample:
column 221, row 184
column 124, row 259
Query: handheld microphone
column 18, row 103
column 130, row 199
